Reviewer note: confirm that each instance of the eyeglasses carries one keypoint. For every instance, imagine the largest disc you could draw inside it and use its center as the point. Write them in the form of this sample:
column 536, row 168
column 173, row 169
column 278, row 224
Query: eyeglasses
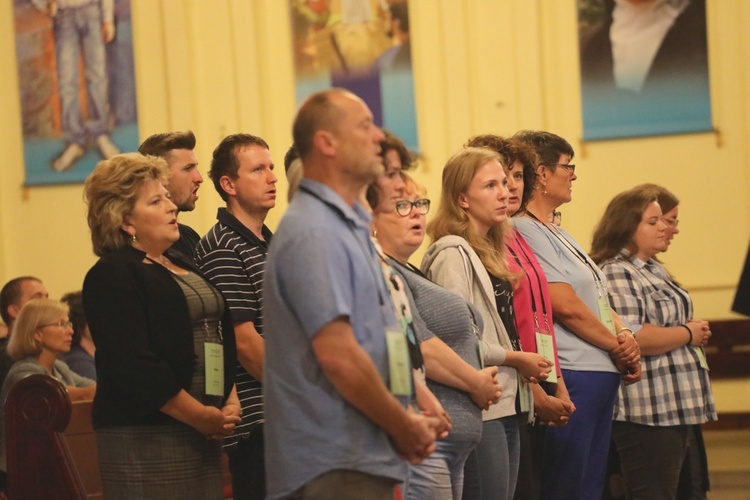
column 571, row 168
column 61, row 324
column 404, row 207
column 671, row 221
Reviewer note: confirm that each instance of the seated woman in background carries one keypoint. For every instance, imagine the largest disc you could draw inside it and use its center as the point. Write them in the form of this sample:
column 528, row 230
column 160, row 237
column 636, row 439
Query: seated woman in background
column 165, row 345
column 41, row 334
column 657, row 413
column 467, row 256
column 447, row 328
column 80, row 359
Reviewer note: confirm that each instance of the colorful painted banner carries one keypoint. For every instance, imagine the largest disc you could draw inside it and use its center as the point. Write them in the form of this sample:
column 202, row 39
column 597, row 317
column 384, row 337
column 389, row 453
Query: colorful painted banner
column 360, row 45
column 76, row 86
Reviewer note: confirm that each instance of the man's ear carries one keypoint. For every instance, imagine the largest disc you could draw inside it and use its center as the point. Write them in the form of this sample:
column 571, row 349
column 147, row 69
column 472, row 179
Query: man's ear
column 325, row 142
column 227, row 184
column 13, row 311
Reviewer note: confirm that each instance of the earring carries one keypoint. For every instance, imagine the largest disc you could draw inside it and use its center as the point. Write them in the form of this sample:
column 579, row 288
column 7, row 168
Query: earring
column 133, row 239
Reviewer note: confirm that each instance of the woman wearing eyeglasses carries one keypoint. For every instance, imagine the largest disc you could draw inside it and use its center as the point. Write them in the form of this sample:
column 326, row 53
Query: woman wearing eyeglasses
column 446, row 326
column 595, row 347
column 41, row 334
column 675, row 393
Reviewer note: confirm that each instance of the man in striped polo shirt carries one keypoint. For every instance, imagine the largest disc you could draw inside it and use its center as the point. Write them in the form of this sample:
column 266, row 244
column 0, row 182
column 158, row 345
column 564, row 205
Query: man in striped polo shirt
column 232, row 255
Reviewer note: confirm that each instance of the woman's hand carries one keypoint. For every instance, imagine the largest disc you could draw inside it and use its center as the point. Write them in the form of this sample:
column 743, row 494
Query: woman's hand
column 233, row 413
column 700, row 332
column 533, row 367
column 552, row 411
column 487, row 392
column 627, row 351
column 430, row 406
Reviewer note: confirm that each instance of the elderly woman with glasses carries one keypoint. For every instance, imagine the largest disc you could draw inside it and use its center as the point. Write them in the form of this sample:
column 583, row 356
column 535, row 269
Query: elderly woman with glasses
column 661, row 411
column 595, row 347
column 41, row 334
column 447, row 328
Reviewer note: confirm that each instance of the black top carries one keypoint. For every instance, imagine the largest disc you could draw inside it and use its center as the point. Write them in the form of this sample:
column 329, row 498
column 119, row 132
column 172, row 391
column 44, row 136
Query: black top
column 140, row 323
column 188, row 241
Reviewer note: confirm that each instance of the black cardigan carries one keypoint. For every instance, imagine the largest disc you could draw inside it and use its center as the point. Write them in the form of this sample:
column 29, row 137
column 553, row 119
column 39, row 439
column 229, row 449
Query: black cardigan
column 139, row 320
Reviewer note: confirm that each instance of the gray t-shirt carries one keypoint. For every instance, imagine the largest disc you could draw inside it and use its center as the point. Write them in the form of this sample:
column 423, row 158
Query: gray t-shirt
column 439, row 312
column 562, row 264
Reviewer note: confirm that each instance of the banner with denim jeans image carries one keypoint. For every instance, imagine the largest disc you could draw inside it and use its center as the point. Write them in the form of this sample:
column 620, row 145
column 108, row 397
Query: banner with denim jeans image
column 644, row 68
column 76, row 86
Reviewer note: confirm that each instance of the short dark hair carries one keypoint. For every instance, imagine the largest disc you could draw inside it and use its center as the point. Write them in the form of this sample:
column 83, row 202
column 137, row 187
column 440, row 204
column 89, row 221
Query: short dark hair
column 391, row 143
column 548, row 146
column 10, row 294
column 74, row 300
column 161, row 144
column 225, row 161
column 512, row 150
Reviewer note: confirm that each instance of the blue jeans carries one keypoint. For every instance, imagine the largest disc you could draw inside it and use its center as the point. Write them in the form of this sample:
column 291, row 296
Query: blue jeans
column 441, row 475
column 574, row 461
column 78, row 31
column 491, row 470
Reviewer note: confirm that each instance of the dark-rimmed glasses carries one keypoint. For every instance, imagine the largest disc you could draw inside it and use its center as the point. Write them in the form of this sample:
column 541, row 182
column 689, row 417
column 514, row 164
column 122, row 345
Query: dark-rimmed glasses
column 404, row 207
column 571, row 168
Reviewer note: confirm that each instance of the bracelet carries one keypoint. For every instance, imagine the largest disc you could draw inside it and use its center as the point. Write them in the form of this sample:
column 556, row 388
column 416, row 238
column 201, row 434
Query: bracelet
column 690, row 332
column 625, row 329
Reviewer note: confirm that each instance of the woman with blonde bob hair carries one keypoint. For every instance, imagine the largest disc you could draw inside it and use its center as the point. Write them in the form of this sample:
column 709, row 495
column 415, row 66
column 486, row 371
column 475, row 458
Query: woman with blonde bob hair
column 467, row 257
column 661, row 411
column 41, row 334
column 165, row 348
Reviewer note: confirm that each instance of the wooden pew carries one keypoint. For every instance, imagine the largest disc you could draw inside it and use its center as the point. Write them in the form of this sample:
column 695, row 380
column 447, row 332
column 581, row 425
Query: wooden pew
column 51, row 445
column 40, row 464
column 728, row 356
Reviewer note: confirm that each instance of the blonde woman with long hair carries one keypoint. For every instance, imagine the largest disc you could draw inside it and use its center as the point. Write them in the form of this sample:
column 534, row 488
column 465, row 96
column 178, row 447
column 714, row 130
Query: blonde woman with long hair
column 467, row 256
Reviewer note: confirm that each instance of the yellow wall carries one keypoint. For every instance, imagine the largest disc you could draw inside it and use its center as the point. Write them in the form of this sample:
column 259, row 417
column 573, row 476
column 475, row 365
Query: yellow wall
column 223, row 66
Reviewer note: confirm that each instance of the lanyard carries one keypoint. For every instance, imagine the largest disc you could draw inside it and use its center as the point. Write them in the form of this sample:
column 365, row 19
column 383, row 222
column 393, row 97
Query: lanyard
column 203, row 304
column 531, row 287
column 370, row 255
column 575, row 251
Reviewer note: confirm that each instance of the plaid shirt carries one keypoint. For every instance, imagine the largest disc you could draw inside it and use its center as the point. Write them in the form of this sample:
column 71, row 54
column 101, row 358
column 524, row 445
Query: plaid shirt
column 674, row 389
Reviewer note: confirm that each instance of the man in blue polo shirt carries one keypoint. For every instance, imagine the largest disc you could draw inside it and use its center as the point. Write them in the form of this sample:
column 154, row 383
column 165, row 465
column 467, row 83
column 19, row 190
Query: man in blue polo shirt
column 232, row 255
column 334, row 429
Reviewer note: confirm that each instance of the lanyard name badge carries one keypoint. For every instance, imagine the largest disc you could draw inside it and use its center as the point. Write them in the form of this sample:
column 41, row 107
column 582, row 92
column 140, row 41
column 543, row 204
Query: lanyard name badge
column 214, row 361
column 544, row 343
column 605, row 311
column 398, row 362
column 213, row 352
column 701, row 357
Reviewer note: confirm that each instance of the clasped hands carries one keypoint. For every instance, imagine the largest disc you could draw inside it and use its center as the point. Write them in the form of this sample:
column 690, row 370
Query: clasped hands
column 627, row 357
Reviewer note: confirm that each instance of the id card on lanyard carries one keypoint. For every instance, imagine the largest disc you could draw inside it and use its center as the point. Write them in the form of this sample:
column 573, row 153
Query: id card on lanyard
column 214, row 361
column 545, row 347
column 398, row 362
column 605, row 311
